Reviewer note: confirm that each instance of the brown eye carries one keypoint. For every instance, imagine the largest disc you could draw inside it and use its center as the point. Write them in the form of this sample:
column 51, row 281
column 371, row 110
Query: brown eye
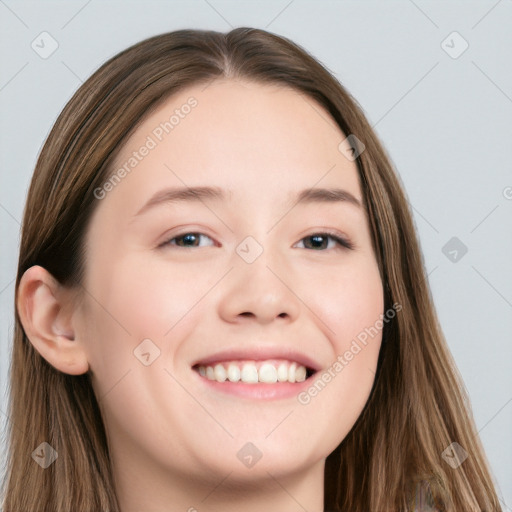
column 190, row 239
column 320, row 241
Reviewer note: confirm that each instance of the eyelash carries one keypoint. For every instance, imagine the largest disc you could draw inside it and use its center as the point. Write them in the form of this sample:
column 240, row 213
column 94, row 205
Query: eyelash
column 343, row 243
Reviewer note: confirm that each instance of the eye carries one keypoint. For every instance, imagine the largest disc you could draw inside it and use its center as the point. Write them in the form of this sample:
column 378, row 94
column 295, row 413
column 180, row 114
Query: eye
column 190, row 239
column 316, row 241
column 320, row 241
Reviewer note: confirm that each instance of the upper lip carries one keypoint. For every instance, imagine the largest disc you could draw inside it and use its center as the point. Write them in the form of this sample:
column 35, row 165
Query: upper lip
column 258, row 354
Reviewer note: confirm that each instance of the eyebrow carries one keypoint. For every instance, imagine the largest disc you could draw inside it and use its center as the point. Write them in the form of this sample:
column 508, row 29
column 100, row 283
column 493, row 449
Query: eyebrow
column 306, row 196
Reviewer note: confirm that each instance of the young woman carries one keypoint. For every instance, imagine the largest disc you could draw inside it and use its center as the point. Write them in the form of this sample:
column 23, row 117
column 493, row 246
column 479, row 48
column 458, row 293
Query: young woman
column 222, row 304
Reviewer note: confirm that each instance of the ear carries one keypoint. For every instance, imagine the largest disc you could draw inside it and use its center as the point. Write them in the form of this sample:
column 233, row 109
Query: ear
column 46, row 310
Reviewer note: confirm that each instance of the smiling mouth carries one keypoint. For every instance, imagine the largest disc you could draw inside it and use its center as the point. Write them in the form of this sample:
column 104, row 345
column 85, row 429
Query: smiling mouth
column 254, row 372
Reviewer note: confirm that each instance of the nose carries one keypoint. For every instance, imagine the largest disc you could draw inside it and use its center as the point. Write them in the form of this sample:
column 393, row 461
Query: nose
column 261, row 291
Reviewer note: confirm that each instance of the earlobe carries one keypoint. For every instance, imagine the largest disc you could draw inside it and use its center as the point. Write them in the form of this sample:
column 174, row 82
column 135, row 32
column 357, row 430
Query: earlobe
column 46, row 312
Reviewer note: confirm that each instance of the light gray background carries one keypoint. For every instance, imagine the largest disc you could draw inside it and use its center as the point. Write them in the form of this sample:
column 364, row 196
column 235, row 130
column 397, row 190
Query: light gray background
column 445, row 121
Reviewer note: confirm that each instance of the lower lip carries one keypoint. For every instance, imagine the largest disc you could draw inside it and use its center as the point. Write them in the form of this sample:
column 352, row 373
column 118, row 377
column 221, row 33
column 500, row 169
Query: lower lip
column 257, row 391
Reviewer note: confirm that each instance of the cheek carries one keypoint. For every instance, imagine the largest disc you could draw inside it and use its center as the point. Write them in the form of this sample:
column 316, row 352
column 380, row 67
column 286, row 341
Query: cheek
column 148, row 298
column 350, row 302
column 138, row 300
column 351, row 306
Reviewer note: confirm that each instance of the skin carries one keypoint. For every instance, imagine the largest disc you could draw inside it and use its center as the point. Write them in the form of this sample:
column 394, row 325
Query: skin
column 173, row 440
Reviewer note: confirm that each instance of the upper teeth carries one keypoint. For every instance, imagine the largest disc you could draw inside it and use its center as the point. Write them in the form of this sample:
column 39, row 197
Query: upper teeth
column 252, row 372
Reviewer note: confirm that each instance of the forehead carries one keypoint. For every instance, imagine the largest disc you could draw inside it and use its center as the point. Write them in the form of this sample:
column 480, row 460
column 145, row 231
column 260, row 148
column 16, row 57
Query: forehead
column 256, row 140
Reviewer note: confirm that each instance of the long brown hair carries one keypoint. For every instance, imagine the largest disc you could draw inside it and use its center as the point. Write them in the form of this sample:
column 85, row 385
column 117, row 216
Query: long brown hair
column 418, row 405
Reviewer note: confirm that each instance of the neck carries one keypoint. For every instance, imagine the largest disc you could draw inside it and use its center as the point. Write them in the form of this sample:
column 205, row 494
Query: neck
column 142, row 487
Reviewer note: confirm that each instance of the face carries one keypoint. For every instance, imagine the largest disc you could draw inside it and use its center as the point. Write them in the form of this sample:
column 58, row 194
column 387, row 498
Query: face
column 193, row 297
